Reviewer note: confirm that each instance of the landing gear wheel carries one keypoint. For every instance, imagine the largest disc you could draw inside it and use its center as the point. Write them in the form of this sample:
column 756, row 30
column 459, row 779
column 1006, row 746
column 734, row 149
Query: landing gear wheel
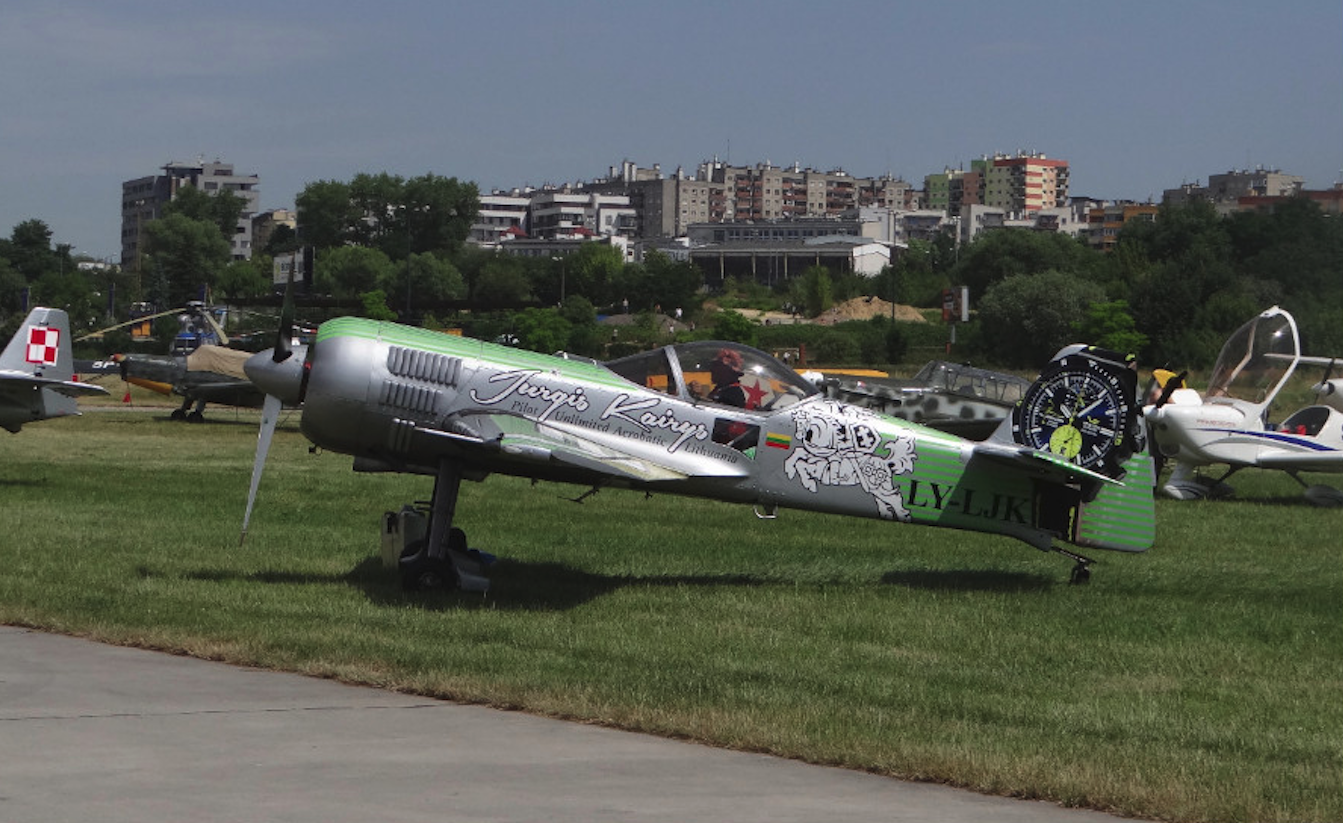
column 195, row 417
column 427, row 574
column 179, row 414
column 1081, row 574
column 422, row 572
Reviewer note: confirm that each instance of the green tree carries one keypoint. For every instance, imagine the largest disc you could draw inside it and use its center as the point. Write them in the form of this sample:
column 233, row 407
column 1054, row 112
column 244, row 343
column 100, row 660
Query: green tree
column 29, row 249
column 384, row 211
column 997, row 255
column 592, row 271
column 920, row 280
column 283, row 240
column 439, row 212
column 375, row 305
column 12, row 284
column 432, row 279
column 223, row 209
column 243, row 278
column 326, row 212
column 71, row 291
column 501, row 282
column 349, row 271
column 1109, row 325
column 816, row 289
column 1026, row 318
column 735, row 326
column 542, row 330
column 182, row 256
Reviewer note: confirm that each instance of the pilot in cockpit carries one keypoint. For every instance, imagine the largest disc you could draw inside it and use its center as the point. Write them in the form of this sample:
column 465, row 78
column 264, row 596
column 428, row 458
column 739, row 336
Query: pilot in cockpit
column 726, row 371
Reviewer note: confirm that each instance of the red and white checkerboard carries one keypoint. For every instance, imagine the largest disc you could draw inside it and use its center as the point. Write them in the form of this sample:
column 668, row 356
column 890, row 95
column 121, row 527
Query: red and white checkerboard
column 43, row 345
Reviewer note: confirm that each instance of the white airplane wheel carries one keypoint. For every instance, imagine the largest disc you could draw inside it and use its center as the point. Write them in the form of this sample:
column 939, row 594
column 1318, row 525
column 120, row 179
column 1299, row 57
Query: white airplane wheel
column 1185, row 490
column 1326, row 496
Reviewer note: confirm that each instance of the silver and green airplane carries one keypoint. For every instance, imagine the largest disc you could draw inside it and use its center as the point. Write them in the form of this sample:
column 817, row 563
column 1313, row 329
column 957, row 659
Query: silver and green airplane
column 713, row 420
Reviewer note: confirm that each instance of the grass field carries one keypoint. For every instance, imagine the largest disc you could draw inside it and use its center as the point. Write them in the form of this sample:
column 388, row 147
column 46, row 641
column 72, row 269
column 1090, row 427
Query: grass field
column 1201, row 681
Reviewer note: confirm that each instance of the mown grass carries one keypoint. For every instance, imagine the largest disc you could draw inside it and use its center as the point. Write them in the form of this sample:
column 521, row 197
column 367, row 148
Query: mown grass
column 1201, row 681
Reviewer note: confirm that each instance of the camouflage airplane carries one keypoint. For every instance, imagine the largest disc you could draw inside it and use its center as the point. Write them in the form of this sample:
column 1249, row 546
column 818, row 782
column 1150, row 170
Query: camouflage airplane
column 37, row 372
column 713, row 420
column 950, row 397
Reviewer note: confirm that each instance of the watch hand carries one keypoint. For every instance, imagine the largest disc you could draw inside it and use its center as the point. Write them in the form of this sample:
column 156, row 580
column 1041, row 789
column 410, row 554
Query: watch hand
column 1083, row 412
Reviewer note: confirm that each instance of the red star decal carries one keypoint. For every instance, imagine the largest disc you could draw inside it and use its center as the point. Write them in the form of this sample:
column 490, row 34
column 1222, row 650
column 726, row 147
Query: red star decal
column 754, row 394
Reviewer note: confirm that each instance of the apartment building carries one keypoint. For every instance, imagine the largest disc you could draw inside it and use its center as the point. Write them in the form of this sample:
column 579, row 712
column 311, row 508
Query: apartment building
column 142, row 200
column 1025, row 183
column 563, row 213
column 718, row 192
column 501, row 215
column 1105, row 221
column 955, row 189
column 1224, row 191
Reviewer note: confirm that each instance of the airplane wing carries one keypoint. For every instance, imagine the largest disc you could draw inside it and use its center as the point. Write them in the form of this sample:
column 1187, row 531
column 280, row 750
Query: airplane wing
column 223, row 392
column 1320, row 461
column 69, row 388
column 527, row 440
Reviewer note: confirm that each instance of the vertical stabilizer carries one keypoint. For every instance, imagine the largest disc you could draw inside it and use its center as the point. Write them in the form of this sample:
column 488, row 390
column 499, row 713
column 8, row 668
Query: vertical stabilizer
column 1084, row 409
column 37, row 371
column 41, row 347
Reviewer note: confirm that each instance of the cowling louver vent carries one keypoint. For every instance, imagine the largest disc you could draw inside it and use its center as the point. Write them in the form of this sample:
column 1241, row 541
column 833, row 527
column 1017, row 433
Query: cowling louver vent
column 417, row 401
column 417, row 364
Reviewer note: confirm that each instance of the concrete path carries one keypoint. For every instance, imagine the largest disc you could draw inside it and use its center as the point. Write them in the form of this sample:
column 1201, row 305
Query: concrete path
column 94, row 732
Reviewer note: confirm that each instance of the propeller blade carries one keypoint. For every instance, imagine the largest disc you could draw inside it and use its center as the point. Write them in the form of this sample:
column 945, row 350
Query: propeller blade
column 285, row 334
column 1171, row 385
column 270, row 414
column 1325, row 388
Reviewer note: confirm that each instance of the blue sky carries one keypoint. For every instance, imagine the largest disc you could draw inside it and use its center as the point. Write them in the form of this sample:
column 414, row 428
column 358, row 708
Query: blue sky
column 1137, row 96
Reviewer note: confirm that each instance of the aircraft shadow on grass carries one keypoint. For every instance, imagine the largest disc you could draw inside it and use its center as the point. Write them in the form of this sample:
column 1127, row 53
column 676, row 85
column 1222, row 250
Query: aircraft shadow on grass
column 557, row 587
column 968, row 580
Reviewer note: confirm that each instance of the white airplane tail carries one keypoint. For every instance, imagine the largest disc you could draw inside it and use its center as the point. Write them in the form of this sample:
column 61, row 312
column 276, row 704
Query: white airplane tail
column 37, row 371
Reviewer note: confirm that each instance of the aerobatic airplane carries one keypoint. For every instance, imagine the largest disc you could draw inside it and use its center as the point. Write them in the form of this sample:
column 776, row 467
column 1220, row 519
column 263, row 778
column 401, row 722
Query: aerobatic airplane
column 714, row 420
column 37, row 372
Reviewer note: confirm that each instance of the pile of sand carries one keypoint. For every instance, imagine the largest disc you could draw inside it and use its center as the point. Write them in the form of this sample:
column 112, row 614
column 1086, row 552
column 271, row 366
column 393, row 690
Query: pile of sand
column 865, row 308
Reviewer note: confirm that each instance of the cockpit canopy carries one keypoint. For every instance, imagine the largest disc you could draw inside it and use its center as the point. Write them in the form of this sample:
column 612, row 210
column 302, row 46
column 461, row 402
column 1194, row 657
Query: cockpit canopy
column 1256, row 359
column 716, row 372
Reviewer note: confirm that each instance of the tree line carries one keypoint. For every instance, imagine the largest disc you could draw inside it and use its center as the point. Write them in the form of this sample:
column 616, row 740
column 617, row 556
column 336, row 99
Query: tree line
column 390, row 247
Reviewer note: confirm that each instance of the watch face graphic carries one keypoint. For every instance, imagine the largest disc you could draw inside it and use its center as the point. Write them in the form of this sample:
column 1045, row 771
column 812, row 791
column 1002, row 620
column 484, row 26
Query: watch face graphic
column 1081, row 409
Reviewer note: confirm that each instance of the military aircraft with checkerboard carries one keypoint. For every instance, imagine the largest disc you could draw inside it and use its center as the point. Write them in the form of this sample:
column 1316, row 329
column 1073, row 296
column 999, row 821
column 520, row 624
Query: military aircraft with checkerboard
column 37, row 372
column 713, row 420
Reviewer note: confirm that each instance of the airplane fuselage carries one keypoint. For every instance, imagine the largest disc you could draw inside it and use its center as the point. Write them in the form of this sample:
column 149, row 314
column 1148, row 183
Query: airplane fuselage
column 1231, row 433
column 404, row 399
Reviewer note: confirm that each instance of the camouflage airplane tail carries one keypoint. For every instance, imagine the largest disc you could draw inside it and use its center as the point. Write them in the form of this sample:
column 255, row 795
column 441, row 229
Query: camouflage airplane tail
column 1084, row 411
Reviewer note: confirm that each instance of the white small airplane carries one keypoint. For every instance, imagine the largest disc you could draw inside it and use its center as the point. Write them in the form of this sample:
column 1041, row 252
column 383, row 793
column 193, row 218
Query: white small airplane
column 1229, row 424
column 37, row 372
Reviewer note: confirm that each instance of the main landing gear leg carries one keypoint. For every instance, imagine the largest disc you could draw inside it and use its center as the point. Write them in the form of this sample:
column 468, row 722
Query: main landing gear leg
column 1081, row 571
column 442, row 560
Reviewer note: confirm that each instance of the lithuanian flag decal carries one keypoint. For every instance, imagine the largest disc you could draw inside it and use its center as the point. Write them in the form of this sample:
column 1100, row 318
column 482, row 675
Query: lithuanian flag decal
column 778, row 441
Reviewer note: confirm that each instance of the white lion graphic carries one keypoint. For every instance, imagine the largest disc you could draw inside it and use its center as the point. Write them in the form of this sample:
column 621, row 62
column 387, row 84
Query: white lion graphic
column 838, row 447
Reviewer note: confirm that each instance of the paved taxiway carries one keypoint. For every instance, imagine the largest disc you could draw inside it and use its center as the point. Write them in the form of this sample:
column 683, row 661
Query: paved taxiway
column 96, row 732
